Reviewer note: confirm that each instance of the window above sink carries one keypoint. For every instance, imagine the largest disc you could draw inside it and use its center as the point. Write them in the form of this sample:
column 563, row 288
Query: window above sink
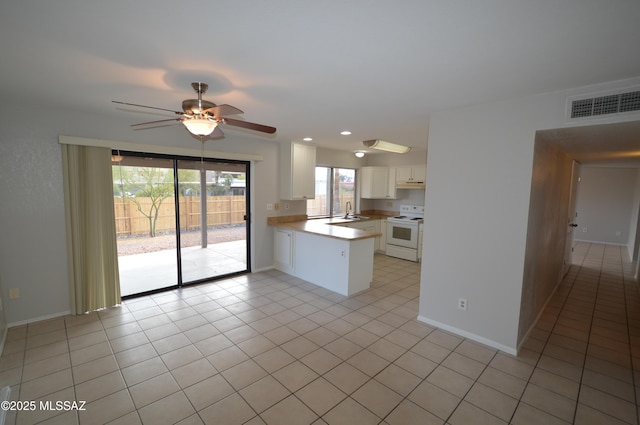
column 334, row 189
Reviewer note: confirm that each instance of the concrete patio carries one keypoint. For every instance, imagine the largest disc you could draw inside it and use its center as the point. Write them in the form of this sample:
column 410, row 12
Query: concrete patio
column 149, row 271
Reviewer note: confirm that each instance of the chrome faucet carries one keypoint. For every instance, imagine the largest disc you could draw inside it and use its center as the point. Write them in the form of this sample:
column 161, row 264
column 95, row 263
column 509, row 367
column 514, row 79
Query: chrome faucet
column 347, row 207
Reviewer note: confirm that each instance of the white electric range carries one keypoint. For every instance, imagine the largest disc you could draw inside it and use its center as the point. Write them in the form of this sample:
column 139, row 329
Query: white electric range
column 403, row 231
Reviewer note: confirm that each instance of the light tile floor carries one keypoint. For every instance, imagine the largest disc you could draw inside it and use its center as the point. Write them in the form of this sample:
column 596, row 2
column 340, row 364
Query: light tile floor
column 267, row 348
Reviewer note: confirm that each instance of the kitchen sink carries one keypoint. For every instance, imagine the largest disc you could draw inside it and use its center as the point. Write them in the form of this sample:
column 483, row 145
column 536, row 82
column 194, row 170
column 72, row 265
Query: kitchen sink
column 358, row 217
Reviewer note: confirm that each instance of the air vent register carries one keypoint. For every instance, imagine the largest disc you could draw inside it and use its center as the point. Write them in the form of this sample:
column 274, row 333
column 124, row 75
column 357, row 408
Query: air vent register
column 605, row 105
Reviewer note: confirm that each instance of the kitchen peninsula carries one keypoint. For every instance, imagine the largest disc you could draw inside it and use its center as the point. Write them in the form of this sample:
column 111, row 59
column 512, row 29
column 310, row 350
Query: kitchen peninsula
column 324, row 253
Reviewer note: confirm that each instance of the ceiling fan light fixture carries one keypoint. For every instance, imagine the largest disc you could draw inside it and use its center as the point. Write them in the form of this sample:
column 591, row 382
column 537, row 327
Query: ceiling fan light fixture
column 383, row 145
column 200, row 126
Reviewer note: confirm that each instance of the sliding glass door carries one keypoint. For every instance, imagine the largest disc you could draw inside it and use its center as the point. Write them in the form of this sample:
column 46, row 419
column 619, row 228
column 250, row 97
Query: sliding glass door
column 178, row 220
column 213, row 208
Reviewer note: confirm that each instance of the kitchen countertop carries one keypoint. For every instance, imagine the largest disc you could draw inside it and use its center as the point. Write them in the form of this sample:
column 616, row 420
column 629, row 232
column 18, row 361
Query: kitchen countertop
column 324, row 227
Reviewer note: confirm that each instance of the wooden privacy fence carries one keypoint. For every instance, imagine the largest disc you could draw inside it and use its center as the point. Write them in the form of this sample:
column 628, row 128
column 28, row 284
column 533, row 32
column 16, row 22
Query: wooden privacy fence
column 318, row 205
column 221, row 211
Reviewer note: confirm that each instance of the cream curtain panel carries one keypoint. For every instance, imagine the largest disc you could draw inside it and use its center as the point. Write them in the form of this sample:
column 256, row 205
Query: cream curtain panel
column 91, row 234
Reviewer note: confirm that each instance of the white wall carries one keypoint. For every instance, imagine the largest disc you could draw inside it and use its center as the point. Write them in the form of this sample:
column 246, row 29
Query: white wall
column 479, row 171
column 32, row 248
column 605, row 204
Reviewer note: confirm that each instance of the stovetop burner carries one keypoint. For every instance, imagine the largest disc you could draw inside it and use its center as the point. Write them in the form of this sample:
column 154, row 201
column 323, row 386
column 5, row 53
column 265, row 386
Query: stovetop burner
column 410, row 213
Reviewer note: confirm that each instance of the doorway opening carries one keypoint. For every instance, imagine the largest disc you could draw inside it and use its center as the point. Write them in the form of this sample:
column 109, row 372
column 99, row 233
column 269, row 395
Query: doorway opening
column 179, row 220
column 551, row 211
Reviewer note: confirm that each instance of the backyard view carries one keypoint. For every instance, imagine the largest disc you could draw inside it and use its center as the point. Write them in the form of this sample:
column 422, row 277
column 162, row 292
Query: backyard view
column 149, row 219
column 334, row 187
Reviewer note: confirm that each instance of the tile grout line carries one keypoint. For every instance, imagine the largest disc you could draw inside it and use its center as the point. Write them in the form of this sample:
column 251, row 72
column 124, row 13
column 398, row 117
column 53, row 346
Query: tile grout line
column 626, row 287
column 365, row 303
column 595, row 303
column 623, row 291
column 343, row 361
column 547, row 339
column 279, row 345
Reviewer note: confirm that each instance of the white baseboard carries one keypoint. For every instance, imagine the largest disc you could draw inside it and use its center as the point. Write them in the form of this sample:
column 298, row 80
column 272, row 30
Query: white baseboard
column 38, row 319
column 469, row 335
column 600, row 242
column 263, row 269
column 540, row 313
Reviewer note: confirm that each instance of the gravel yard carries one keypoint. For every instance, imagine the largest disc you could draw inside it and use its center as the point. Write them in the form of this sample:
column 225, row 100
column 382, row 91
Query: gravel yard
column 144, row 244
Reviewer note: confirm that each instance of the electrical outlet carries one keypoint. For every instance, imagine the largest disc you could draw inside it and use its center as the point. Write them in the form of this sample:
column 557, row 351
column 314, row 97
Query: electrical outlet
column 14, row 293
column 584, row 230
column 269, row 207
column 462, row 303
column 276, row 206
column 286, row 206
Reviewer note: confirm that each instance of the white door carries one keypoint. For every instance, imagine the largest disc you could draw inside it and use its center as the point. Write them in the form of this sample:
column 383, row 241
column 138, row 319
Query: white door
column 572, row 215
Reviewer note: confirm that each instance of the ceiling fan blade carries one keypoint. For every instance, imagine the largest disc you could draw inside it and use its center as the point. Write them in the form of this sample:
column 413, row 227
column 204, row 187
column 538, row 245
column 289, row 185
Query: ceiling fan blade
column 217, row 132
column 249, row 125
column 221, row 110
column 155, row 122
column 145, row 106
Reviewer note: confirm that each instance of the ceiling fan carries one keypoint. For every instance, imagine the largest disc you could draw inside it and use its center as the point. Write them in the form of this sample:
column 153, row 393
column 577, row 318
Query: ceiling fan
column 202, row 117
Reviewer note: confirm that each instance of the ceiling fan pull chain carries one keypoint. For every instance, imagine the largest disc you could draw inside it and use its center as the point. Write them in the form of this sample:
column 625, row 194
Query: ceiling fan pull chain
column 202, row 153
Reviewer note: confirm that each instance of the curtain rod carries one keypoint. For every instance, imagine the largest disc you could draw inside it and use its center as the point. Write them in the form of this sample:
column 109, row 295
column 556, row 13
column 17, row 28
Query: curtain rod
column 170, row 150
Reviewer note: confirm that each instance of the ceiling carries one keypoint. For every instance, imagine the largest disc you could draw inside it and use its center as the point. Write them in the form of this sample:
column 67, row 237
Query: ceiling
column 605, row 144
column 311, row 69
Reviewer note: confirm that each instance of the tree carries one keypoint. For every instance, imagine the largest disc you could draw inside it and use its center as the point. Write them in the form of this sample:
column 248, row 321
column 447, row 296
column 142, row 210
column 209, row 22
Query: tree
column 221, row 184
column 137, row 183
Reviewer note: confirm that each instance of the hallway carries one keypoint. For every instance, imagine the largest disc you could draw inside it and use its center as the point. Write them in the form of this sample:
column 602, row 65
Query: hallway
column 586, row 343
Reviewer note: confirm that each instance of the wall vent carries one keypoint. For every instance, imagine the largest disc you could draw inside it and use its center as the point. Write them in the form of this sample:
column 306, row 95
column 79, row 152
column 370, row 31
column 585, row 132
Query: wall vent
column 604, row 105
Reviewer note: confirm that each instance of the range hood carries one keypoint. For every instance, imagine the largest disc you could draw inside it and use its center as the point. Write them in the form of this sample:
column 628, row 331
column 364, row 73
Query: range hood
column 411, row 184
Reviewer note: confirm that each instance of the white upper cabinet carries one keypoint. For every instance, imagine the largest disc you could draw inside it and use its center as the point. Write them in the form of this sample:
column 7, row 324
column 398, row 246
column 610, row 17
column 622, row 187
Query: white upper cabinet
column 412, row 173
column 298, row 170
column 378, row 183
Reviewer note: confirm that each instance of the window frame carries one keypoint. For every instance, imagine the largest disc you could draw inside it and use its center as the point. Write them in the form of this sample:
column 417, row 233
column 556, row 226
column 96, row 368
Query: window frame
column 329, row 207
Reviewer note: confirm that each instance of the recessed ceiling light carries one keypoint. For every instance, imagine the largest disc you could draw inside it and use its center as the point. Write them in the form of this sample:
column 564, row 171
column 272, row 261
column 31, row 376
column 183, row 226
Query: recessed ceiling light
column 307, row 139
column 345, row 133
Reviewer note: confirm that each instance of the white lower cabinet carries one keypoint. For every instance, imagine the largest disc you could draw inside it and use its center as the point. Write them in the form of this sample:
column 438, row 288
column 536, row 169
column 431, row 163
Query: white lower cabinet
column 284, row 250
column 340, row 265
